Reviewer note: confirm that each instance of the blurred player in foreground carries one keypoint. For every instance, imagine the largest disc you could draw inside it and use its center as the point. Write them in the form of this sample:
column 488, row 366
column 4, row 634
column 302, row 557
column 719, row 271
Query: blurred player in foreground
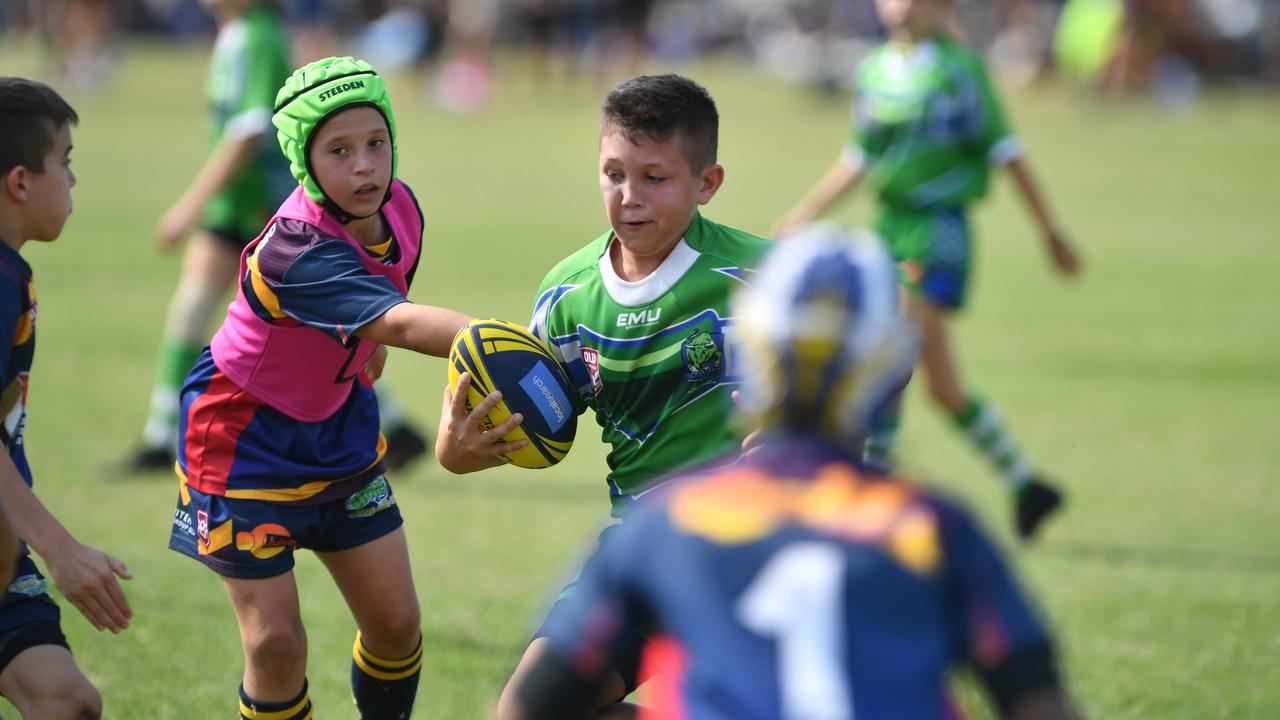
column 798, row 584
column 929, row 126
column 37, row 673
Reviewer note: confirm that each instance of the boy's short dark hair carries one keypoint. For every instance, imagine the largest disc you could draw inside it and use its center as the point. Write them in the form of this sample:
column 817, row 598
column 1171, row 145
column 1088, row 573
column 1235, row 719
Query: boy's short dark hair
column 659, row 106
column 30, row 114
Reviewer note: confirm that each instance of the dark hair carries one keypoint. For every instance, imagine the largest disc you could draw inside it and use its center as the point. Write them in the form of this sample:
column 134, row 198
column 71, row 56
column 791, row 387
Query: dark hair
column 30, row 114
column 659, row 106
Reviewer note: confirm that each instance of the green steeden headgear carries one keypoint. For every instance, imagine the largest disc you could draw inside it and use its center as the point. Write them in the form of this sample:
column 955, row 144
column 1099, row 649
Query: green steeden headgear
column 311, row 96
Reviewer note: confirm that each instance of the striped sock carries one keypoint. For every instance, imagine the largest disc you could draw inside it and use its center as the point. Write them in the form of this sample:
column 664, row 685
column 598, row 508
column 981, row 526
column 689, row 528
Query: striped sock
column 172, row 365
column 981, row 421
column 298, row 708
column 384, row 689
column 877, row 449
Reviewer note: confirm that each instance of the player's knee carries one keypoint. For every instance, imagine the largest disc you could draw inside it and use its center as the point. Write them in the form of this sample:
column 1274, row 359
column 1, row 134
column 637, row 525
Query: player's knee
column 399, row 628
column 277, row 647
column 67, row 701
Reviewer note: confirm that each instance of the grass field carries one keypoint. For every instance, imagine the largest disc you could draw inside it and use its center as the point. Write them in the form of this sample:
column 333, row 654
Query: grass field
column 1151, row 386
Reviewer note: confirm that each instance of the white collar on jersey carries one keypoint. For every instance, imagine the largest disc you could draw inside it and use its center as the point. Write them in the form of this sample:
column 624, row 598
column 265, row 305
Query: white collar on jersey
column 652, row 286
column 903, row 59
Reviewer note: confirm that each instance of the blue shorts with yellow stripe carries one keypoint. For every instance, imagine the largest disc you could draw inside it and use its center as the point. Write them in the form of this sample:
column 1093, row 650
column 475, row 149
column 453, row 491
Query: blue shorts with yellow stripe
column 244, row 538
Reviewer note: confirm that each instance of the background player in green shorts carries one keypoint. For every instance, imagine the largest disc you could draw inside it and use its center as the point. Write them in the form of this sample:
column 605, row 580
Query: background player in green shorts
column 928, row 128
column 640, row 316
column 243, row 180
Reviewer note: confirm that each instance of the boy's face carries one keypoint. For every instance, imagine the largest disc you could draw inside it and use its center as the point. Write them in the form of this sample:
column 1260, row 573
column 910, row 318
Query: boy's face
column 49, row 192
column 650, row 192
column 920, row 16
column 351, row 158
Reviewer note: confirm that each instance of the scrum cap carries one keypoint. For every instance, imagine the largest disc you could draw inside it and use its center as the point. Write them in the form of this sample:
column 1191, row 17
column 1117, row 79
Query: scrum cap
column 313, row 94
column 824, row 343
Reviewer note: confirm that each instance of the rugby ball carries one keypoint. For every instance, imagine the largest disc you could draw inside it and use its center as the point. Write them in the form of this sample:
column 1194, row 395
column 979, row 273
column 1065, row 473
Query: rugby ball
column 504, row 356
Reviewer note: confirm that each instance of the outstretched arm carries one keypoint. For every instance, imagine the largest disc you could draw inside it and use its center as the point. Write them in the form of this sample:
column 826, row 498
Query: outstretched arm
column 423, row 328
column 223, row 163
column 1065, row 256
column 834, row 184
column 84, row 574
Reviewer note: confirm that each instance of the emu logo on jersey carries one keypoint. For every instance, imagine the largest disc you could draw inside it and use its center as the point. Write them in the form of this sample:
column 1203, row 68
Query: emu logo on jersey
column 630, row 319
column 591, row 358
column 702, row 356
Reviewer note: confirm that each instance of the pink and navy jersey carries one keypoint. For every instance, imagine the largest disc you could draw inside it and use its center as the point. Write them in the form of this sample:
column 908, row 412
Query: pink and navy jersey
column 279, row 407
column 17, row 349
column 797, row 584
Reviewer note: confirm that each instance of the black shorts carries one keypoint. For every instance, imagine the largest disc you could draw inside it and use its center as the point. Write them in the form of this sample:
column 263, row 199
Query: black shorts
column 231, row 239
column 14, row 640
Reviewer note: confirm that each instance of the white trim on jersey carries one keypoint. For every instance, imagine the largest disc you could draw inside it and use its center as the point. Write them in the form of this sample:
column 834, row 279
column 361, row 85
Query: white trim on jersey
column 653, row 286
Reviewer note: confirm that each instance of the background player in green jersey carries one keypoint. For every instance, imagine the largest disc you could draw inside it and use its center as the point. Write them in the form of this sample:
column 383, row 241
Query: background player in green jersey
column 241, row 183
column 640, row 316
column 928, row 128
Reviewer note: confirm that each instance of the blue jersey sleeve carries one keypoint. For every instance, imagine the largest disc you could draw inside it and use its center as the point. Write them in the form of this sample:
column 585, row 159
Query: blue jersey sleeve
column 319, row 281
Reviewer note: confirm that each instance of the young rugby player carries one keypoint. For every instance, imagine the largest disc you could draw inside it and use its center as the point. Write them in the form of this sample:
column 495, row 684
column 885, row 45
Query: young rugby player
column 928, row 128
column 798, row 583
column 37, row 673
column 242, row 182
column 279, row 446
column 640, row 316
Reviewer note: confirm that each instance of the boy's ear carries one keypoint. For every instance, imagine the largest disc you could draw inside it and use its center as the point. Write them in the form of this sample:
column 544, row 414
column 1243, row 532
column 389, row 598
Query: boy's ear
column 15, row 183
column 712, row 179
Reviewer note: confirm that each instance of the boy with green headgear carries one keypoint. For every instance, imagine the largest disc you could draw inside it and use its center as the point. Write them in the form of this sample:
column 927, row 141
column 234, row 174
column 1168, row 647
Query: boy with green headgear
column 279, row 446
column 237, row 189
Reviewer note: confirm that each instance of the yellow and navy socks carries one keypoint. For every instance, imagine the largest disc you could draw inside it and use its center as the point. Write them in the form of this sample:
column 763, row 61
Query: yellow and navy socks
column 384, row 689
column 298, row 708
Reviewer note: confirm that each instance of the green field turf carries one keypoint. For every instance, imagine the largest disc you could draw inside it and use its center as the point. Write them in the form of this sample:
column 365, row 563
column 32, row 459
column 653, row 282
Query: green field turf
column 1150, row 386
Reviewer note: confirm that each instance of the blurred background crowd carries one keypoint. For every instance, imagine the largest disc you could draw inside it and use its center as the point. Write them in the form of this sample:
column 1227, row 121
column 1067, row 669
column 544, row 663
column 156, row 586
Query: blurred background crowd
column 1171, row 48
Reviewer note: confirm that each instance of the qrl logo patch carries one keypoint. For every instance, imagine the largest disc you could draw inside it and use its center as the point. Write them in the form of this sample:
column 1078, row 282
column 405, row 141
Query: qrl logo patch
column 202, row 527
column 591, row 358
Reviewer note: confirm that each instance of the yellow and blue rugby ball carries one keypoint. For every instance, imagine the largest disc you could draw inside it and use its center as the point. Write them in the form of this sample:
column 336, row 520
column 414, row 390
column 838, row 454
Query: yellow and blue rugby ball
column 504, row 356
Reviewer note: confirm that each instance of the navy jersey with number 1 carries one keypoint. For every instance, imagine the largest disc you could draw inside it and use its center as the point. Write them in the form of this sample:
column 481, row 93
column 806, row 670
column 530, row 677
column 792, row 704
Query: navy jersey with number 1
column 798, row 585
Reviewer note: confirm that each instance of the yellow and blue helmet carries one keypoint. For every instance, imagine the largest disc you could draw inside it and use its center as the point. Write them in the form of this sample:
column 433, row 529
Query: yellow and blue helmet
column 313, row 94
column 824, row 341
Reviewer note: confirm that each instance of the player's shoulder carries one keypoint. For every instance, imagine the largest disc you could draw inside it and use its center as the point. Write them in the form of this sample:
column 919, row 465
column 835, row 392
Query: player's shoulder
column 958, row 56
column 580, row 266
column 726, row 243
column 14, row 270
column 287, row 240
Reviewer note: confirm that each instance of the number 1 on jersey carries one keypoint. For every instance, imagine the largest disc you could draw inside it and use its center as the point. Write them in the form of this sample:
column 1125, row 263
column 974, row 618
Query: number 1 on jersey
column 796, row 600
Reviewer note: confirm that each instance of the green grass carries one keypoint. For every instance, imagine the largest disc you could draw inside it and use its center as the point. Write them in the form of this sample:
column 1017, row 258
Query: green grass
column 1149, row 386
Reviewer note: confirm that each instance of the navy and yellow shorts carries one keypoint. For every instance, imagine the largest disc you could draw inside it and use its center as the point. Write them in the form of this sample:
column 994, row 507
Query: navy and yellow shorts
column 933, row 248
column 256, row 538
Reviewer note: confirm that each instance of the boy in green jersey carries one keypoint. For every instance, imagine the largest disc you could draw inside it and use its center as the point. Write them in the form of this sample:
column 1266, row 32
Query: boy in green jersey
column 928, row 128
column 640, row 316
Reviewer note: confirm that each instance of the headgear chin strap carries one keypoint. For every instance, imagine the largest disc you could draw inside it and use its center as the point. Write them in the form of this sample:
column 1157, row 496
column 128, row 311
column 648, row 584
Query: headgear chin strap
column 312, row 95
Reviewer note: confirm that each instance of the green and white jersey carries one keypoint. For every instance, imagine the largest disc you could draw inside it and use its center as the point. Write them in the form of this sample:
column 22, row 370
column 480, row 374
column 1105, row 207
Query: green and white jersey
column 927, row 125
column 655, row 359
column 249, row 63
